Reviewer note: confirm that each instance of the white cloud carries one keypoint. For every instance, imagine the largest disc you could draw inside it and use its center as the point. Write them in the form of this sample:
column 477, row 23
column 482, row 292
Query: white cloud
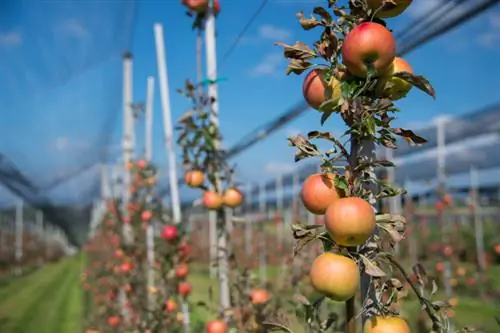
column 491, row 37
column 268, row 31
column 74, row 28
column 10, row 39
column 63, row 143
column 279, row 167
column 269, row 65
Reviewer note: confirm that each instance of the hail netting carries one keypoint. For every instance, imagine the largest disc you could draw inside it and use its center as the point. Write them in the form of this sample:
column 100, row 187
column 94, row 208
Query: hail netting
column 61, row 104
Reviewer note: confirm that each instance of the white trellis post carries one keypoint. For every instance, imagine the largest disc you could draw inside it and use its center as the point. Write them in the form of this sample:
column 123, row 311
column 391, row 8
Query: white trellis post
column 148, row 140
column 19, row 235
column 128, row 155
column 262, row 247
column 211, row 58
column 169, row 140
column 39, row 229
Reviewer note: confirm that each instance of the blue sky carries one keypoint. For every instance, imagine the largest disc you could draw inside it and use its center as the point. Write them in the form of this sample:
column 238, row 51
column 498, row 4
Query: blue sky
column 462, row 66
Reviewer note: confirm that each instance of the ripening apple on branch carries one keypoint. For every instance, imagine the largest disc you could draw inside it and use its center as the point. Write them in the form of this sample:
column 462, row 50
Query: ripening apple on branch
column 353, row 72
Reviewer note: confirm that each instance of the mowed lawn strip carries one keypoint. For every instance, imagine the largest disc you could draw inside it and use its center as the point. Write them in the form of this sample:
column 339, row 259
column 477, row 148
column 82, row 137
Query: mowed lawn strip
column 13, row 288
column 25, row 288
column 68, row 314
column 44, row 313
column 28, row 304
column 469, row 312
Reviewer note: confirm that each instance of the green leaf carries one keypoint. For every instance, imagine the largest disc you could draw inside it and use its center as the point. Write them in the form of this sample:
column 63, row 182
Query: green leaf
column 417, row 81
column 327, row 241
column 370, row 125
column 329, row 106
column 325, row 116
column 341, row 183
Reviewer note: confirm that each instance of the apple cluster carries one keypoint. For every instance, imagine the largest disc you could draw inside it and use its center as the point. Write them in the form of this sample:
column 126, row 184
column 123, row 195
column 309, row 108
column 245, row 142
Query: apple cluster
column 212, row 200
column 368, row 49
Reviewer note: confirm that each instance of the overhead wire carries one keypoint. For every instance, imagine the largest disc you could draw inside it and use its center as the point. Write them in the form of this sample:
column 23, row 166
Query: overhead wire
column 302, row 106
column 474, row 11
column 240, row 36
column 292, row 113
column 437, row 12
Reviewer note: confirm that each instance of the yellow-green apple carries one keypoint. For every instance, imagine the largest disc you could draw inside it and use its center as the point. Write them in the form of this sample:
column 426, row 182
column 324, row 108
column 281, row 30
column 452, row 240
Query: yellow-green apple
column 394, row 87
column 368, row 44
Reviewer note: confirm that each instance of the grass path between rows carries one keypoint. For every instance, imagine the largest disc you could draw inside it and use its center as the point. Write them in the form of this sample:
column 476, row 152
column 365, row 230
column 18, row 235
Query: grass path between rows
column 47, row 301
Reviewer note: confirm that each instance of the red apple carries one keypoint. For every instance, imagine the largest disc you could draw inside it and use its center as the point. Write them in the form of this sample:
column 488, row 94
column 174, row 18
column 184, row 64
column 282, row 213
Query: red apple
column 182, row 271
column 170, row 305
column 142, row 164
column 368, row 44
column 184, row 250
column 216, row 326
column 439, row 206
column 315, row 88
column 184, row 288
column 113, row 321
column 169, row 232
column 390, row 9
column 201, row 6
column 447, row 251
column 146, row 215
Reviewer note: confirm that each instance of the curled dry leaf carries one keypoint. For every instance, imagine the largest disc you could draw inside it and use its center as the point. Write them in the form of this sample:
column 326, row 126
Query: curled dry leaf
column 418, row 81
column 409, row 136
column 298, row 298
column 304, row 147
column 299, row 50
column 298, row 66
column 308, row 23
column 371, row 267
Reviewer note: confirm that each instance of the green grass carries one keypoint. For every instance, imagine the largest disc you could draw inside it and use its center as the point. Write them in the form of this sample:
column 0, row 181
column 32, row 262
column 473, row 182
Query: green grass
column 469, row 312
column 51, row 300
column 46, row 301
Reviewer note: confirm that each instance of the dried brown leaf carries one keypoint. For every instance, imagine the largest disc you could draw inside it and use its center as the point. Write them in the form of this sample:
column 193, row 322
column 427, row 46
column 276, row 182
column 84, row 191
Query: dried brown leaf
column 299, row 50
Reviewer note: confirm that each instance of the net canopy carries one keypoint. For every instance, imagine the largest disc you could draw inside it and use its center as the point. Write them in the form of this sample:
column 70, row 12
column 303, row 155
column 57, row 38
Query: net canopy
column 61, row 103
column 482, row 121
column 479, row 153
